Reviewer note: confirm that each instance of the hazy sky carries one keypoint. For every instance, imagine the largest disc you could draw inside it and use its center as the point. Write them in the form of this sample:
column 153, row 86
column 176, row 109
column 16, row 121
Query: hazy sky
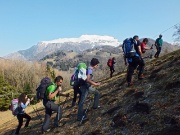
column 24, row 23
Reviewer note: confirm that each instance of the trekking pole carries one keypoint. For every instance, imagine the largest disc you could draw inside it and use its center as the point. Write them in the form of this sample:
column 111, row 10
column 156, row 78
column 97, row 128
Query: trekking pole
column 37, row 113
column 86, row 110
column 59, row 108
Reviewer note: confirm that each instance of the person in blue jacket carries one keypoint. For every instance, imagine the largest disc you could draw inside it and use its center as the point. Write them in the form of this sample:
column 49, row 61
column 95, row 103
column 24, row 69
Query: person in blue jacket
column 23, row 102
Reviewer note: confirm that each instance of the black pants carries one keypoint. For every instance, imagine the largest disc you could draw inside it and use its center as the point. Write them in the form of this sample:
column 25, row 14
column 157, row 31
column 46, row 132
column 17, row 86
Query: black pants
column 20, row 120
column 111, row 71
column 136, row 61
column 51, row 106
column 76, row 91
column 158, row 51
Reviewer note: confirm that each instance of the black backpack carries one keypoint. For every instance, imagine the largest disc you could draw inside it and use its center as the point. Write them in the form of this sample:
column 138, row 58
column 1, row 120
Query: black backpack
column 40, row 91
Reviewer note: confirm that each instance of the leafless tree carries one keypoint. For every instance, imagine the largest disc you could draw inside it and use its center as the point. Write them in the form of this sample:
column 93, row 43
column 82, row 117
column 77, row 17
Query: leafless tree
column 177, row 33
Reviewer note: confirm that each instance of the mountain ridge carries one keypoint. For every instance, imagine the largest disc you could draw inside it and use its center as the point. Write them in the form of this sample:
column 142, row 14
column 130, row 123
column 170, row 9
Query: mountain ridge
column 79, row 45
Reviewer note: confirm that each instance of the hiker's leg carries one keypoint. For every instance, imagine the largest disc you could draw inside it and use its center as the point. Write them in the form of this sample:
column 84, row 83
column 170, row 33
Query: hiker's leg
column 20, row 120
column 96, row 96
column 130, row 72
column 47, row 117
column 157, row 48
column 84, row 93
column 158, row 52
column 55, row 107
column 141, row 66
column 111, row 74
column 79, row 91
column 28, row 119
column 75, row 93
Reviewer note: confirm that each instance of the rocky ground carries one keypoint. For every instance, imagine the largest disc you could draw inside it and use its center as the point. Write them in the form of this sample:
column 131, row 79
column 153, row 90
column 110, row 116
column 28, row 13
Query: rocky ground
column 150, row 107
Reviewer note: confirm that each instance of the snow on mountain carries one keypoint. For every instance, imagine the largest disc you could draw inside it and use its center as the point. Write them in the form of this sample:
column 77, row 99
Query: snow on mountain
column 176, row 43
column 82, row 43
column 92, row 39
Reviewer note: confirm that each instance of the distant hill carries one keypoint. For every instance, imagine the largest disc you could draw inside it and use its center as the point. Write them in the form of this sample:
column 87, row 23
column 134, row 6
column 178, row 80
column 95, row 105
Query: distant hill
column 65, row 60
column 80, row 44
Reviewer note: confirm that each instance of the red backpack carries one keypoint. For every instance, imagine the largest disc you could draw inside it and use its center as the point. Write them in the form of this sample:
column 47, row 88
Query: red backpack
column 109, row 63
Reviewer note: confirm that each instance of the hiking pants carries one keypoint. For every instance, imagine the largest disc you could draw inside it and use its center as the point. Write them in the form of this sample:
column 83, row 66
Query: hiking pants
column 158, row 51
column 51, row 106
column 111, row 71
column 136, row 61
column 20, row 120
column 85, row 90
column 76, row 91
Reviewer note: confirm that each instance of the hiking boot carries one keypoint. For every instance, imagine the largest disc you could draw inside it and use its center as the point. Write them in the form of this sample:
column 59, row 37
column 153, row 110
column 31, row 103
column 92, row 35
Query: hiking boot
column 130, row 84
column 43, row 132
column 27, row 127
column 141, row 77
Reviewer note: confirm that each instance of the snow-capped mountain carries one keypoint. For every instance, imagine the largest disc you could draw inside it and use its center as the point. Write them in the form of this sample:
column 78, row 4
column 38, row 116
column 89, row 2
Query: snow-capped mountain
column 82, row 43
column 176, row 43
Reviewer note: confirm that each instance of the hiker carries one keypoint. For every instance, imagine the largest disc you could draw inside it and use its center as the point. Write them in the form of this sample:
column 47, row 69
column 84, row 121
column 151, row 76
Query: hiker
column 76, row 91
column 143, row 45
column 50, row 97
column 86, row 89
column 143, row 50
column 111, row 63
column 134, row 60
column 158, row 44
column 23, row 102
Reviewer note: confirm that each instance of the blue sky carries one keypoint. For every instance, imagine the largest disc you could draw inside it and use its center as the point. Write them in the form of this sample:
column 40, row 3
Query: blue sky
column 24, row 23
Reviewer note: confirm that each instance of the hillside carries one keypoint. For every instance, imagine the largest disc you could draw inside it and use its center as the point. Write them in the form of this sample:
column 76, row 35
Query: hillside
column 150, row 107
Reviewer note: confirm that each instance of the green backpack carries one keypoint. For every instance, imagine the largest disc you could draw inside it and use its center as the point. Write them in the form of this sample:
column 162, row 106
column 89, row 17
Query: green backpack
column 75, row 81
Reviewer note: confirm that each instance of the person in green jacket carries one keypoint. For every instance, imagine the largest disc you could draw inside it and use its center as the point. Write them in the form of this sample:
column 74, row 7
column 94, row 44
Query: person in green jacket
column 50, row 97
column 158, row 44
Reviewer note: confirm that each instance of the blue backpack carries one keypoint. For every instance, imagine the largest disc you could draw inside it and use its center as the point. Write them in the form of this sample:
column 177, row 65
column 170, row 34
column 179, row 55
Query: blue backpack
column 128, row 48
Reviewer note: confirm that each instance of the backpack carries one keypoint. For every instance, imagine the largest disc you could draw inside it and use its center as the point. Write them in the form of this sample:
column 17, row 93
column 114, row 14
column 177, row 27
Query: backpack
column 14, row 107
column 40, row 91
column 157, row 41
column 109, row 63
column 128, row 48
column 77, row 79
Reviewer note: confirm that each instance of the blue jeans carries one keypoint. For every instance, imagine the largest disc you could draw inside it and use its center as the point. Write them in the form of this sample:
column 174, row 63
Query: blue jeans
column 85, row 90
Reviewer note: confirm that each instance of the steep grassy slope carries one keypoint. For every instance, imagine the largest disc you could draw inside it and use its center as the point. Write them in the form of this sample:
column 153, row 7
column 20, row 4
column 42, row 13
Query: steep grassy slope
column 150, row 107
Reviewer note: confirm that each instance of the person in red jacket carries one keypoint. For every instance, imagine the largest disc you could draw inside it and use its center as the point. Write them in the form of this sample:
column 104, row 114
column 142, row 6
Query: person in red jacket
column 143, row 45
column 112, row 67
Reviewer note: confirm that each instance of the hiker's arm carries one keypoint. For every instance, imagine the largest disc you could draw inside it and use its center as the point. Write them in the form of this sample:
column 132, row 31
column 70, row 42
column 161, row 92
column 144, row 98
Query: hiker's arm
column 90, row 81
column 147, row 48
column 125, row 62
column 25, row 105
column 140, row 52
column 53, row 94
